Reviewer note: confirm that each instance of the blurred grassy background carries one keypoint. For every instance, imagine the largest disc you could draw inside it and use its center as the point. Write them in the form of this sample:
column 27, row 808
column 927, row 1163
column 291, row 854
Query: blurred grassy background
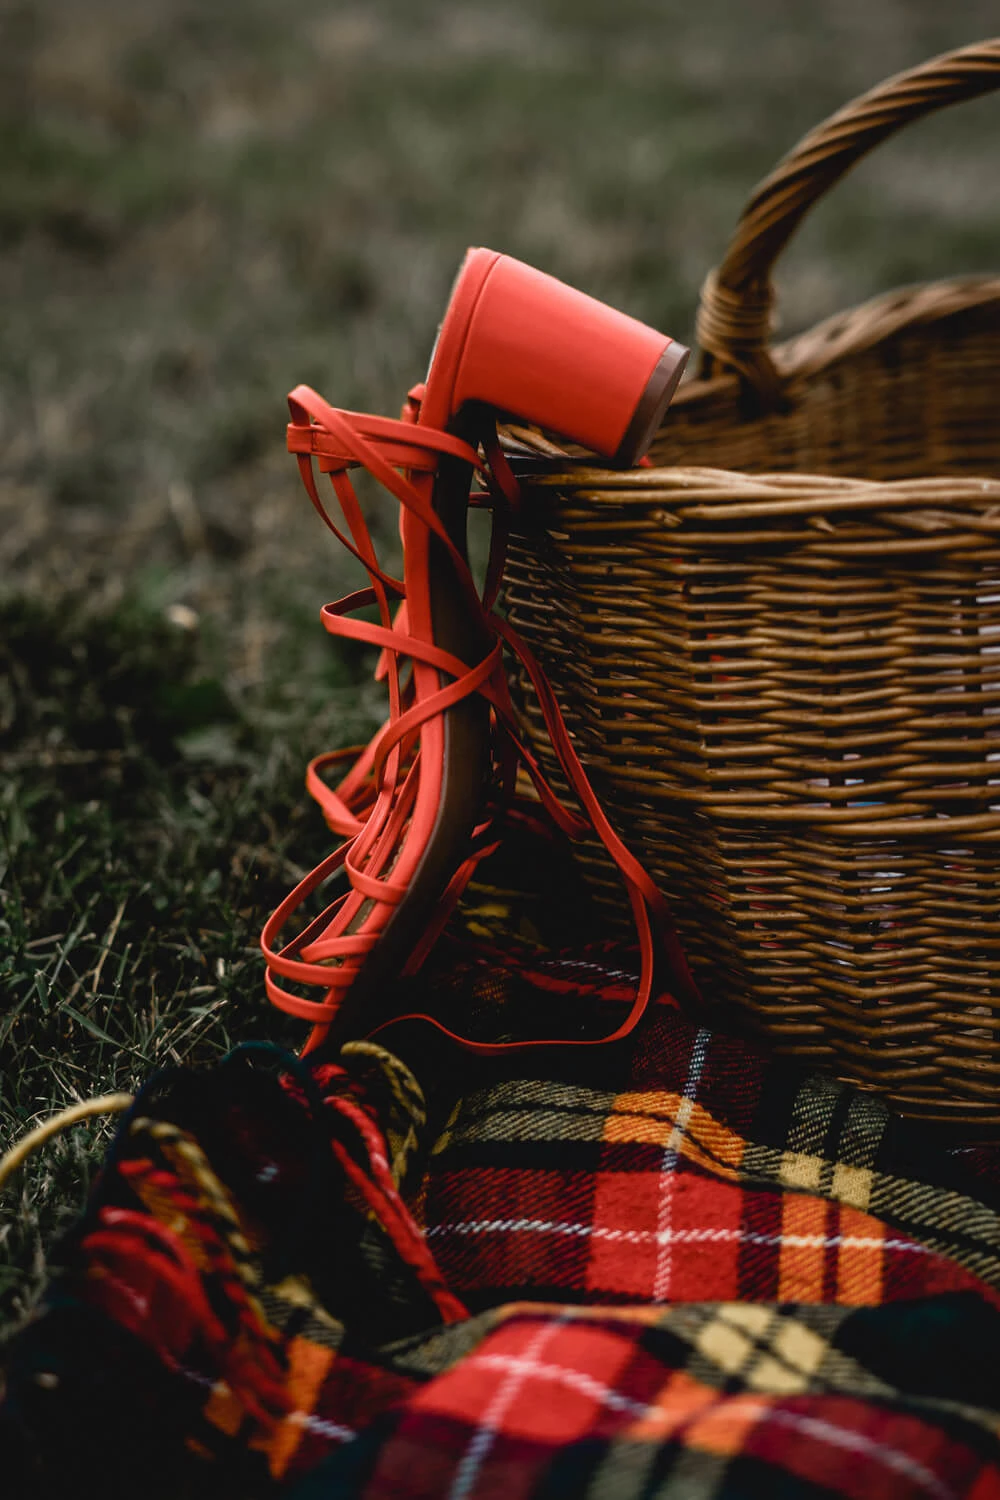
column 200, row 206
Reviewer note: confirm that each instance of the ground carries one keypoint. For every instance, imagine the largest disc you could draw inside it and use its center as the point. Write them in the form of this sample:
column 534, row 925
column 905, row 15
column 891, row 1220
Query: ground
column 201, row 206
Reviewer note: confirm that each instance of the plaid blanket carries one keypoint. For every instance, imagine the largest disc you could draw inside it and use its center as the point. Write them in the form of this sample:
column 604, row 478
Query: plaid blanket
column 666, row 1268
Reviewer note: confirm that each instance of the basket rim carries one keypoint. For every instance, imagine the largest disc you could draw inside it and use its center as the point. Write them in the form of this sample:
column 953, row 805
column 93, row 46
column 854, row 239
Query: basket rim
column 706, row 494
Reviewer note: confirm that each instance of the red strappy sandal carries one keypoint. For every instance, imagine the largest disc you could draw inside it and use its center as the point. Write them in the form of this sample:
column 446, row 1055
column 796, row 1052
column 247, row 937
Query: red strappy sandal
column 418, row 809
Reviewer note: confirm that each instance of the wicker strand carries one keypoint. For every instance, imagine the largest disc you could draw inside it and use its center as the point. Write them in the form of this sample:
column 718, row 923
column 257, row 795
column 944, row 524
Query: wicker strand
column 17, row 1155
column 735, row 326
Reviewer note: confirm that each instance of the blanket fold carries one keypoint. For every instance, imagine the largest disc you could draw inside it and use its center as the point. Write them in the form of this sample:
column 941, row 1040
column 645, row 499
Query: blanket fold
column 670, row 1268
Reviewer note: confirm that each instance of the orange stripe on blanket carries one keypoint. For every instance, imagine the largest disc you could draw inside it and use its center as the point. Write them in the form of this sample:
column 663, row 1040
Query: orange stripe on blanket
column 308, row 1366
column 652, row 1117
column 680, row 1400
column 803, row 1248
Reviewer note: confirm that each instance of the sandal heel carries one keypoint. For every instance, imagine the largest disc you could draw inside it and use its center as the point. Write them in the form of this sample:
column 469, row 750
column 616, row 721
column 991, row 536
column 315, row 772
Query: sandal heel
column 526, row 344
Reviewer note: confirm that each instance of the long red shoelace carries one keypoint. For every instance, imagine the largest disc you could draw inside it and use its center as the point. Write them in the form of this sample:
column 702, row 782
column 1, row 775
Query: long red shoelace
column 371, row 805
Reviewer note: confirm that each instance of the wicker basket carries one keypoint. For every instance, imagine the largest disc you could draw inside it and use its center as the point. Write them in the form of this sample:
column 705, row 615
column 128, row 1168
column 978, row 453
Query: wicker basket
column 784, row 674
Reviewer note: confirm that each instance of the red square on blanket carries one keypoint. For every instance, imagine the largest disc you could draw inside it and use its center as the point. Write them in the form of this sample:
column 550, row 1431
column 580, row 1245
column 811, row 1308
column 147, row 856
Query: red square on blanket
column 672, row 1236
column 539, row 1380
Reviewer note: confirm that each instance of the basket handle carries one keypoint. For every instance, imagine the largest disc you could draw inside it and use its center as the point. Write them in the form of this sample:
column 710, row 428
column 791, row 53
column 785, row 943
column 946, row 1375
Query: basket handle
column 735, row 310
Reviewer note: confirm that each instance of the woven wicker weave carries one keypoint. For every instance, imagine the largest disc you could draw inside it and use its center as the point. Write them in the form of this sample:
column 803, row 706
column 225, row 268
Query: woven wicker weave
column 783, row 671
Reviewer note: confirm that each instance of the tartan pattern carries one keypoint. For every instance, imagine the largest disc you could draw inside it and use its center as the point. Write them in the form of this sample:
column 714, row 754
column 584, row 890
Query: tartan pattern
column 722, row 1175
column 668, row 1267
column 702, row 1399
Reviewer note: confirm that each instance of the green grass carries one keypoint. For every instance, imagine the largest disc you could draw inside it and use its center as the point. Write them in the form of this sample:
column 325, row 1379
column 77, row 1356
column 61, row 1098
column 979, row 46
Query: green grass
column 147, row 819
column 200, row 206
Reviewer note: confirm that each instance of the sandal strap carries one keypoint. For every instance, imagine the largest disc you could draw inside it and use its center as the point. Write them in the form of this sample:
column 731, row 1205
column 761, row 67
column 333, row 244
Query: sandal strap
column 371, row 805
column 396, row 438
